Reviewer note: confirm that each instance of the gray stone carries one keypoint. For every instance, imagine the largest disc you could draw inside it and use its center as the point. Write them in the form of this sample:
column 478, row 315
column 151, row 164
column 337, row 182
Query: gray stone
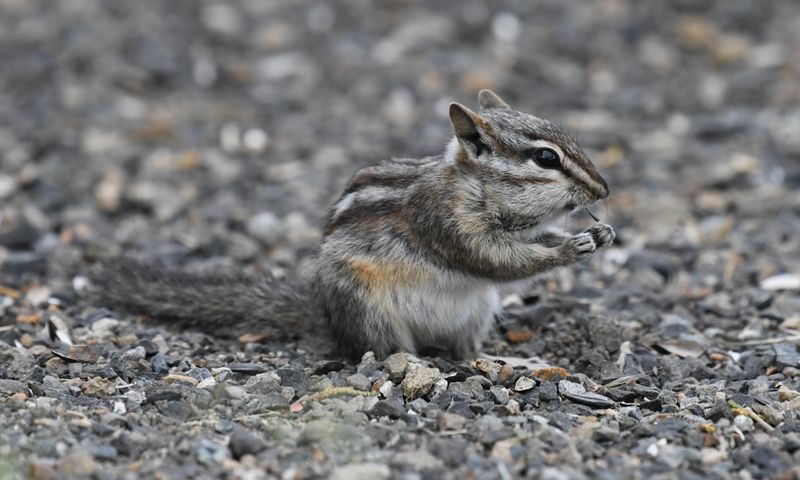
column 450, row 421
column 134, row 354
column 419, row 460
column 786, row 355
column 500, row 394
column 199, row 373
column 263, row 383
column 362, row 471
column 105, row 453
column 243, row 443
column 548, row 391
column 177, row 409
column 210, row 452
column 295, row 378
column 368, row 366
column 359, row 381
column 159, row 364
column 236, row 392
column 396, row 366
column 387, row 408
column 594, row 400
column 565, row 387
column 9, row 387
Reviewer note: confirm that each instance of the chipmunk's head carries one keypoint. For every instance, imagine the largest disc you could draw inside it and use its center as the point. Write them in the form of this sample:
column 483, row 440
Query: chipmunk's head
column 529, row 168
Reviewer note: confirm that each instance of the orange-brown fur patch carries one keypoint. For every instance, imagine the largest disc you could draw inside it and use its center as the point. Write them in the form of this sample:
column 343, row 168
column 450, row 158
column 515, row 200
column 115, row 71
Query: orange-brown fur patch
column 376, row 275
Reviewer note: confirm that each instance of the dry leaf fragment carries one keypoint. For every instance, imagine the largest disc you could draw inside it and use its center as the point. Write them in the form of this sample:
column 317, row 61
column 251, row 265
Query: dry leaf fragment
column 550, row 373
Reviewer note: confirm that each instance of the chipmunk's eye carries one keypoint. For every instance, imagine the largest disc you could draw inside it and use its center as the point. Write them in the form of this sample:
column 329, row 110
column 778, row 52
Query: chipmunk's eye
column 547, row 158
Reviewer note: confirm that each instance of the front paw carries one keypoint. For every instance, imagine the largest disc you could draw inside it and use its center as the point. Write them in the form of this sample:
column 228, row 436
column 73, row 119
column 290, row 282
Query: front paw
column 602, row 234
column 580, row 246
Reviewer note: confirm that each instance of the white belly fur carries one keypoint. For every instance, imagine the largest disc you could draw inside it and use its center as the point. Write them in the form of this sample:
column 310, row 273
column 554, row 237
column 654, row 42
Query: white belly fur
column 450, row 309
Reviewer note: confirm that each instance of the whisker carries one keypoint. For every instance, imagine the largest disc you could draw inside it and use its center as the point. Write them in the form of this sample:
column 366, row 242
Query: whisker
column 592, row 215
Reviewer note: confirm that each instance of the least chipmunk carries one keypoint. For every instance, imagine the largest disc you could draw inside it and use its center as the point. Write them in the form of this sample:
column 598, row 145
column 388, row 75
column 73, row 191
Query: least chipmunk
column 414, row 250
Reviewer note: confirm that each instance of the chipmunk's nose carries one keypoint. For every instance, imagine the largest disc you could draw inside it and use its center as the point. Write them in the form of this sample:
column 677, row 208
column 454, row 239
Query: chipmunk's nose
column 603, row 193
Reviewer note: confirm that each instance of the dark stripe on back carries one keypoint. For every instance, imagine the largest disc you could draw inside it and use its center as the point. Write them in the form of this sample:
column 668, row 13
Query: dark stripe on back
column 381, row 179
column 365, row 213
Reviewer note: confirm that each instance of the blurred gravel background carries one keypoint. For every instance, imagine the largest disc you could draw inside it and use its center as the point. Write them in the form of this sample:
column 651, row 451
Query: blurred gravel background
column 216, row 134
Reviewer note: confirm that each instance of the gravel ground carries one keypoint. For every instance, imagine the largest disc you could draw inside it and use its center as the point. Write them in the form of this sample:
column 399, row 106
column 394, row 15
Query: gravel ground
column 214, row 134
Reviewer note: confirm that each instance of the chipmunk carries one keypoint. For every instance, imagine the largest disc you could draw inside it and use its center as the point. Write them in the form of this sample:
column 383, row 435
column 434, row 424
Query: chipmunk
column 414, row 250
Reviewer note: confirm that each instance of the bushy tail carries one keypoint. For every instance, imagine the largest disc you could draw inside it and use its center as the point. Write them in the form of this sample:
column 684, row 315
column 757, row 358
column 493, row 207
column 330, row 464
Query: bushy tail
column 218, row 303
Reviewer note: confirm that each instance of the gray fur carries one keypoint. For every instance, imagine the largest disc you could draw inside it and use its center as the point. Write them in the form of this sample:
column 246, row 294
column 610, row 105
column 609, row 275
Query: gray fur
column 223, row 303
column 414, row 250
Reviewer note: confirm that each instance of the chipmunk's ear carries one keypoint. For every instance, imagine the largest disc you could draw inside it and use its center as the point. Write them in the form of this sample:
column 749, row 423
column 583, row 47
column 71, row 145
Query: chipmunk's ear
column 487, row 99
column 468, row 126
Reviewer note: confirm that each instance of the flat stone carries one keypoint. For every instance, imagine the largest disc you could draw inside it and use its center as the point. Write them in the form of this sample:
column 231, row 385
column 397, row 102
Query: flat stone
column 593, row 400
column 784, row 281
column 419, row 460
column 359, row 381
column 247, row 368
column 362, row 471
column 9, row 387
column 263, row 383
column 565, row 387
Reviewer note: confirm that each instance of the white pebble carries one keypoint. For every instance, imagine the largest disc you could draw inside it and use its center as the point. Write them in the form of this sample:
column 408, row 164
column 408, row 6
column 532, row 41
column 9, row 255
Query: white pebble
column 255, row 140
column 7, row 186
column 104, row 326
column 80, row 283
column 207, row 383
column 386, row 388
column 745, row 424
column 37, row 295
column 784, row 281
column 505, row 27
